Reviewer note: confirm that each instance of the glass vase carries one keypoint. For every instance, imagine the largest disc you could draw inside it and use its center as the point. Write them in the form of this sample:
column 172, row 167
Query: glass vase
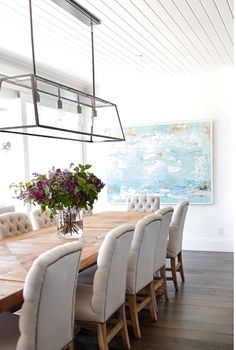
column 70, row 222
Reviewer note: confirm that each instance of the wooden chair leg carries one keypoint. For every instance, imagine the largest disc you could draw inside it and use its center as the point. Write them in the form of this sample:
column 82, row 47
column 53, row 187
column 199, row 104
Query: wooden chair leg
column 173, row 271
column 71, row 346
column 181, row 267
column 164, row 285
column 102, row 339
column 153, row 303
column 124, row 330
column 132, row 299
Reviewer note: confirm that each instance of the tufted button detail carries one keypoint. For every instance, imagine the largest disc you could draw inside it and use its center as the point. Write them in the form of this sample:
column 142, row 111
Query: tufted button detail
column 42, row 219
column 14, row 223
column 143, row 203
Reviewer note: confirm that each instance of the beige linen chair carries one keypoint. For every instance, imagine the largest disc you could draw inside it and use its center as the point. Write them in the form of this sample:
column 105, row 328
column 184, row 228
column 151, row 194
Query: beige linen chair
column 42, row 219
column 143, row 203
column 12, row 224
column 98, row 302
column 140, row 269
column 160, row 251
column 87, row 212
column 174, row 247
column 47, row 317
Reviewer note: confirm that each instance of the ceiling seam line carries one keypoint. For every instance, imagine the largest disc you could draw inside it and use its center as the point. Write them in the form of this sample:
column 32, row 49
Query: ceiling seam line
column 147, row 40
column 166, row 48
column 230, row 8
column 206, row 34
column 192, row 29
column 216, row 32
column 135, row 48
column 171, row 43
column 151, row 53
column 121, row 29
column 223, row 22
column 195, row 47
column 160, row 59
column 172, row 32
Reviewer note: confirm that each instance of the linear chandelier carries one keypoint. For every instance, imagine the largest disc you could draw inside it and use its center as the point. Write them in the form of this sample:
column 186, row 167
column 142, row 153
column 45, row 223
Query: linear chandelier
column 54, row 110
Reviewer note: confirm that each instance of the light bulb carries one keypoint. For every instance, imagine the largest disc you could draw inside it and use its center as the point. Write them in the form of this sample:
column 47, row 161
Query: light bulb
column 79, row 109
column 60, row 111
column 94, row 112
column 60, row 114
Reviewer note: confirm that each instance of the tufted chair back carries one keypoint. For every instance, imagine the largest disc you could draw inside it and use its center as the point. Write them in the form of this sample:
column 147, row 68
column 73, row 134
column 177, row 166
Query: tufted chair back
column 109, row 282
column 88, row 212
column 143, row 203
column 12, row 224
column 140, row 270
column 161, row 243
column 140, row 266
column 42, row 219
column 96, row 303
column 176, row 229
column 47, row 317
column 174, row 245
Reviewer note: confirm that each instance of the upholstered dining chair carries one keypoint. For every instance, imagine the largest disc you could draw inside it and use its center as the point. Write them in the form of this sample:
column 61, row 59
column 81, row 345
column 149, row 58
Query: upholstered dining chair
column 42, row 219
column 174, row 246
column 87, row 212
column 159, row 266
column 12, row 224
column 143, row 203
column 140, row 270
column 96, row 303
column 46, row 320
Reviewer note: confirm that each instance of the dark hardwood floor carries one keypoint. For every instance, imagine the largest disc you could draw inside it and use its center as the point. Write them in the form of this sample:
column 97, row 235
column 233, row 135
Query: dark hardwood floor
column 198, row 317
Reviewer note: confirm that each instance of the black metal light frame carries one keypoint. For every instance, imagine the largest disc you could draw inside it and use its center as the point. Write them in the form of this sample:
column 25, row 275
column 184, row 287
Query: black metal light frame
column 17, row 82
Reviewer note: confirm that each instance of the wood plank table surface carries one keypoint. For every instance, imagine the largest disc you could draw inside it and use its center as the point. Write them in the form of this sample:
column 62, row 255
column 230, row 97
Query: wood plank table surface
column 17, row 253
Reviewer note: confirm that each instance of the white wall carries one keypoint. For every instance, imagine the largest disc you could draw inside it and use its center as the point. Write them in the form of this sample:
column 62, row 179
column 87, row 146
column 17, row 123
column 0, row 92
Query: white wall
column 208, row 96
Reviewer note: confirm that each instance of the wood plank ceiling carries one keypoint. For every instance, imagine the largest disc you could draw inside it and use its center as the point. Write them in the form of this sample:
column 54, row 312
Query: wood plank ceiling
column 149, row 38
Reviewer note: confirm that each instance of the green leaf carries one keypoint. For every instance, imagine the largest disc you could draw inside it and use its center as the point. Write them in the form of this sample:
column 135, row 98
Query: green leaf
column 81, row 180
column 47, row 190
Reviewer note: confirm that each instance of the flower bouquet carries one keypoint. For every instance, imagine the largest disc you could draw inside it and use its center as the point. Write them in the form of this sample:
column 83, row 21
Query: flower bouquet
column 64, row 192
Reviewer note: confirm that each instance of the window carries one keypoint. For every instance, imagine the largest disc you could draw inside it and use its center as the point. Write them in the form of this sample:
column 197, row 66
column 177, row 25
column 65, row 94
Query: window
column 21, row 155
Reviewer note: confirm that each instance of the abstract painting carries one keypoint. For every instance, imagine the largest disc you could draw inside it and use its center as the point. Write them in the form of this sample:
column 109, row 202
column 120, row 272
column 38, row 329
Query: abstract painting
column 171, row 160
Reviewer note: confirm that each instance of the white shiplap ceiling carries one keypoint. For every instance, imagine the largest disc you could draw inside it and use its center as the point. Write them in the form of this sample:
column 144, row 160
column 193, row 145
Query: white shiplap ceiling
column 149, row 38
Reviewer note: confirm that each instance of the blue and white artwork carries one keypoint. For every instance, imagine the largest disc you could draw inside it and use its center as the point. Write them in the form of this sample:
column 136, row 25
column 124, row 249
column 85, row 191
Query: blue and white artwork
column 173, row 161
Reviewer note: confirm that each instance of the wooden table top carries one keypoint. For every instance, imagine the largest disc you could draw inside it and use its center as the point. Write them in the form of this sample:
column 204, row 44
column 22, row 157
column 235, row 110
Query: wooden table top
column 18, row 253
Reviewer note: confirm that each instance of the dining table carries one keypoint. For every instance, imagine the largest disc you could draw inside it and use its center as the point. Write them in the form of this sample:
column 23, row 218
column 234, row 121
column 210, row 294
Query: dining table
column 18, row 252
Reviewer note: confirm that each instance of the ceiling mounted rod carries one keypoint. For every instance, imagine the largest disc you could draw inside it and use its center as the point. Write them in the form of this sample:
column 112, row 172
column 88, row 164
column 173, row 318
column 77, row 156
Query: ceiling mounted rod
column 78, row 11
column 32, row 37
column 93, row 64
column 94, row 112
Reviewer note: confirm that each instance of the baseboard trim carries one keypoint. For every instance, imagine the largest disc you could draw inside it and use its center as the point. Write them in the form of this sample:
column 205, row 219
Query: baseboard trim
column 210, row 244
